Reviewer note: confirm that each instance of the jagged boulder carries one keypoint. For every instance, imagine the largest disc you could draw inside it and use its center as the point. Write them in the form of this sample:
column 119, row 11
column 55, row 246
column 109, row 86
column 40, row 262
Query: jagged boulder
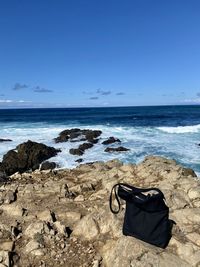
column 111, row 140
column 81, row 149
column 27, row 156
column 76, row 151
column 76, row 134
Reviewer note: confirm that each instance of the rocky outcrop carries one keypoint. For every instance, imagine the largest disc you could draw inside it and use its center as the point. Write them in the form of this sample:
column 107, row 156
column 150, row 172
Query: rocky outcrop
column 116, row 149
column 76, row 134
column 27, row 156
column 62, row 218
column 111, row 140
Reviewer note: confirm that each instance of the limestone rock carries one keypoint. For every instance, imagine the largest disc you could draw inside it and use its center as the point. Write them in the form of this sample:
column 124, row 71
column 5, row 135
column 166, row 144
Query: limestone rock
column 34, row 228
column 86, row 228
column 128, row 251
column 194, row 192
column 5, row 258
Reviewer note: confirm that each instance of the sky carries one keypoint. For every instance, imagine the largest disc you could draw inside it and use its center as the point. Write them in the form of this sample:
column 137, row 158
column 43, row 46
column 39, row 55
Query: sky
column 82, row 53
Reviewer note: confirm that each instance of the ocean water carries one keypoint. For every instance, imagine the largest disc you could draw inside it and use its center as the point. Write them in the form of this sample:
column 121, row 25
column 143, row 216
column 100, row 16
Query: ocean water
column 169, row 131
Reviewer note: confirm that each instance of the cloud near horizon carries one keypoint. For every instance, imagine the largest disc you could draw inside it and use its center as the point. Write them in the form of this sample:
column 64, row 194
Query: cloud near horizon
column 94, row 98
column 99, row 91
column 120, row 93
column 198, row 94
column 102, row 92
column 19, row 86
column 39, row 89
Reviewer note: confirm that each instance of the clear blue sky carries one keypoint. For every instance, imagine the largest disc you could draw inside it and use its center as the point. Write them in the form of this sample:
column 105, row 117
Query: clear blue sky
column 99, row 52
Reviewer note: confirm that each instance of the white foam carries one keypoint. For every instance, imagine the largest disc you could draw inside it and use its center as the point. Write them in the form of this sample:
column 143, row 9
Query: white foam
column 181, row 129
column 141, row 141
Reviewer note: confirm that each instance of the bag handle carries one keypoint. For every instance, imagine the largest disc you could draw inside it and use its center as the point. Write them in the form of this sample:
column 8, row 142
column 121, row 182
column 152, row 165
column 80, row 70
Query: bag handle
column 134, row 191
column 117, row 198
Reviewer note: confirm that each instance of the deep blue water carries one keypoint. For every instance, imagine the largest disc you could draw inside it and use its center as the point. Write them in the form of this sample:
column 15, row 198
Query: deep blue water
column 170, row 131
column 116, row 116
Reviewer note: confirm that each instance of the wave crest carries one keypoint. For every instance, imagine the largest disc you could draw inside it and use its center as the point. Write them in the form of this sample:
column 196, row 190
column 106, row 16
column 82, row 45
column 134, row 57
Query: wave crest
column 181, row 129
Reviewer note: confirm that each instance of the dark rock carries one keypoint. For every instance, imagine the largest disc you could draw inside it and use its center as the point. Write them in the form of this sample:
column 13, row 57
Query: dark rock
column 76, row 151
column 5, row 140
column 3, row 178
column 93, row 141
column 81, row 149
column 48, row 166
column 116, row 149
column 76, row 134
column 85, row 146
column 10, row 164
column 28, row 156
column 79, row 160
column 90, row 134
column 65, row 135
column 111, row 140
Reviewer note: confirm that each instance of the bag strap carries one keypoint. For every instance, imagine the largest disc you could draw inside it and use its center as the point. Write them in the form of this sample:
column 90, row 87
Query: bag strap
column 134, row 191
column 117, row 198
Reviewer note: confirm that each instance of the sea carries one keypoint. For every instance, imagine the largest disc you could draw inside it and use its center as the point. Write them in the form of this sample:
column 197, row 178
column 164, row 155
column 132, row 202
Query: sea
column 169, row 131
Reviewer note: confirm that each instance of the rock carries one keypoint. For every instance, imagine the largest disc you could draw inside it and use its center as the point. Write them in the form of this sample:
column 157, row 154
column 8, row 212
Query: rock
column 79, row 198
column 10, row 197
column 86, row 228
column 7, row 245
column 116, row 149
column 34, row 228
column 79, row 160
column 60, row 227
column 188, row 171
column 45, row 216
column 69, row 217
column 81, row 149
column 32, row 245
column 49, row 205
column 128, row 251
column 13, row 208
column 3, row 178
column 92, row 134
column 48, row 166
column 85, row 146
column 194, row 237
column 28, row 156
column 194, row 192
column 5, row 258
column 5, row 140
column 111, row 140
column 76, row 151
column 78, row 135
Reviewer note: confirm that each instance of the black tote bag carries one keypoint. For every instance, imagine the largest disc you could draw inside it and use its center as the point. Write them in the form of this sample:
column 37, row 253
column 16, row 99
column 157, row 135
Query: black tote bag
column 146, row 215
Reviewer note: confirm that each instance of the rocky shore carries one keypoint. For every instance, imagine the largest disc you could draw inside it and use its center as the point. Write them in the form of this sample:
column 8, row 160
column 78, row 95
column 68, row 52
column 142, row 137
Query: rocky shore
column 62, row 217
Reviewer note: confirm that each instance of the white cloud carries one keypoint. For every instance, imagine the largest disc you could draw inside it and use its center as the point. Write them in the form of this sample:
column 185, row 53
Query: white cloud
column 9, row 102
column 6, row 101
column 192, row 100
